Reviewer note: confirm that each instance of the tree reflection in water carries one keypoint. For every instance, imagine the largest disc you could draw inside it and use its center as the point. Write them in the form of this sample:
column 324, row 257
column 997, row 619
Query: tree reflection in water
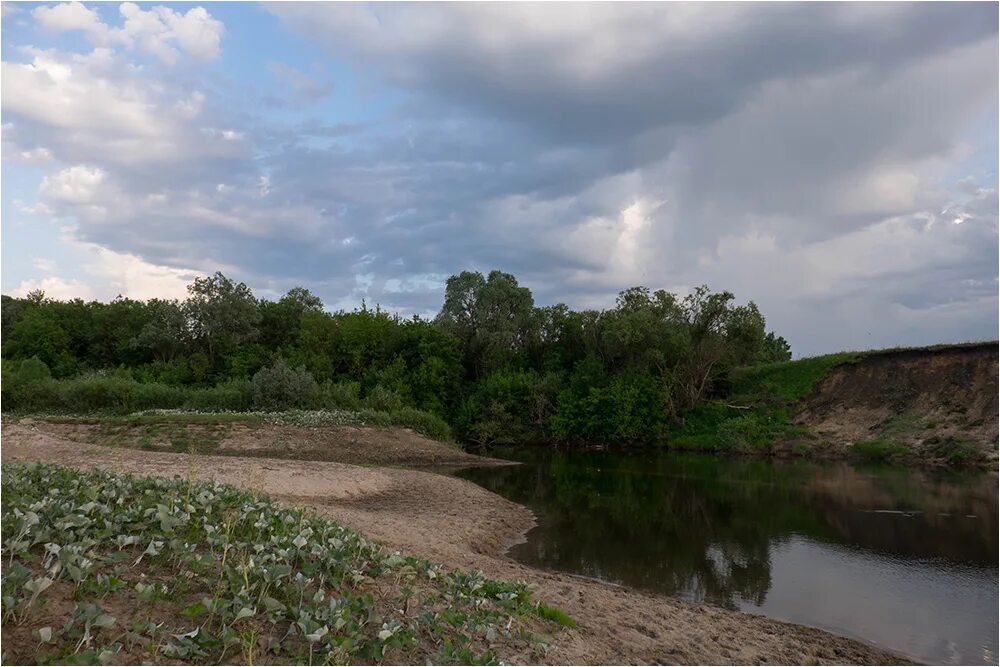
column 703, row 528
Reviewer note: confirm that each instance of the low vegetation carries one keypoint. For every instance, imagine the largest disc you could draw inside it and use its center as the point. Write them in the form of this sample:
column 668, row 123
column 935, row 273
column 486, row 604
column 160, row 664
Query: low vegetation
column 101, row 568
column 756, row 410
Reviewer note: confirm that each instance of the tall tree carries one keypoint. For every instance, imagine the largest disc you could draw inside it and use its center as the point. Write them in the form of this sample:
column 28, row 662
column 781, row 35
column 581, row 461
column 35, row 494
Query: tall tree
column 221, row 313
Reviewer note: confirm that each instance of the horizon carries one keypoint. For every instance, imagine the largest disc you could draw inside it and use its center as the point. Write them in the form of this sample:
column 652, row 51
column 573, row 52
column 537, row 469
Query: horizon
column 841, row 175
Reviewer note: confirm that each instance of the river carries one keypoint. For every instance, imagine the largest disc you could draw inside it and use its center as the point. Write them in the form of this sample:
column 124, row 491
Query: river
column 905, row 559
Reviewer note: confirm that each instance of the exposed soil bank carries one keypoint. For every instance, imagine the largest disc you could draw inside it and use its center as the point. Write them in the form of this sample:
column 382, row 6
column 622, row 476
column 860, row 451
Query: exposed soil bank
column 934, row 402
column 461, row 525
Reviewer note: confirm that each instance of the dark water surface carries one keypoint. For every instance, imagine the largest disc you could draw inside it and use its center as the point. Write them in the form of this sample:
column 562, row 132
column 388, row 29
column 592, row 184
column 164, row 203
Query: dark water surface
column 905, row 559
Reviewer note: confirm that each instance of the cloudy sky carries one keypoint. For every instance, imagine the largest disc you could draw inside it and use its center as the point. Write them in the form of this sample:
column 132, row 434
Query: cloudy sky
column 837, row 164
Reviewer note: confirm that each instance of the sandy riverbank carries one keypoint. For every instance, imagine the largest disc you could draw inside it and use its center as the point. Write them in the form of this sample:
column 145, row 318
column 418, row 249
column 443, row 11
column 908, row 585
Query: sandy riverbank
column 459, row 524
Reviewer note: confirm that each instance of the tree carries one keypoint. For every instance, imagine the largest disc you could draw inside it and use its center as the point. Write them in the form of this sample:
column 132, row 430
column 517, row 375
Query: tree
column 221, row 313
column 775, row 348
column 492, row 317
column 37, row 334
column 281, row 320
column 166, row 333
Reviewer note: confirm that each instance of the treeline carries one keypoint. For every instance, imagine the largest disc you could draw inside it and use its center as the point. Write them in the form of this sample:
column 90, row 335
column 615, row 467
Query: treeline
column 493, row 365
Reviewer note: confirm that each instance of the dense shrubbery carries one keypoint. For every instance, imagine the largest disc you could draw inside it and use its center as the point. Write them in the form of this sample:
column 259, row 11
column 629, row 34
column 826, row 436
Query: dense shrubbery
column 492, row 364
column 280, row 387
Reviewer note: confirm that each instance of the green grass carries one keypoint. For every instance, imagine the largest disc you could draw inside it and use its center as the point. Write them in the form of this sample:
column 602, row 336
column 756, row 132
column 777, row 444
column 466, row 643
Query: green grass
column 555, row 614
column 424, row 423
column 756, row 412
column 955, row 451
column 102, row 567
column 786, row 380
column 879, row 450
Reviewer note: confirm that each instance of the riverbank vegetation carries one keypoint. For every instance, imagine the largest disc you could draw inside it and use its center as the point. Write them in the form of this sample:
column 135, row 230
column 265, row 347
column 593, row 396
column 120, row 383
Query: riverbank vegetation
column 756, row 412
column 491, row 367
column 104, row 568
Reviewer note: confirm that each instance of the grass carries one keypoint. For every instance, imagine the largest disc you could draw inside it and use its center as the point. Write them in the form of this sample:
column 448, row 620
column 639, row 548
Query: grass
column 555, row 614
column 955, row 451
column 757, row 411
column 102, row 567
column 422, row 422
column 879, row 449
column 787, row 380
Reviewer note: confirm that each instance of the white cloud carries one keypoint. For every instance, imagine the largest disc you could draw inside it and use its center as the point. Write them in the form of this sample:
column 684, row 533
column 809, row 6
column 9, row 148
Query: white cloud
column 76, row 185
column 72, row 16
column 158, row 31
column 94, row 107
column 55, row 288
column 131, row 276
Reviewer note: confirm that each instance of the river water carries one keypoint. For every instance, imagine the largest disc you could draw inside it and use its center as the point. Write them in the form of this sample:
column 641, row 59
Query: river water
column 904, row 559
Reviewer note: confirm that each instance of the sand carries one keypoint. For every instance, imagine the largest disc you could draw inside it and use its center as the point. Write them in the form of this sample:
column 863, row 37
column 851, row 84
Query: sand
column 461, row 525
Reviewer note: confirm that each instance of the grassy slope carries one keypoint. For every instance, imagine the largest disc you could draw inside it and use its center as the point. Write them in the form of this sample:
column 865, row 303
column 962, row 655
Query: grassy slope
column 102, row 568
column 756, row 413
column 757, row 410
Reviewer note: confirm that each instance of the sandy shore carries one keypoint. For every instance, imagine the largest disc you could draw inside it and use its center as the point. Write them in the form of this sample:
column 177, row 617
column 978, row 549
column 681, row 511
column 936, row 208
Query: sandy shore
column 461, row 525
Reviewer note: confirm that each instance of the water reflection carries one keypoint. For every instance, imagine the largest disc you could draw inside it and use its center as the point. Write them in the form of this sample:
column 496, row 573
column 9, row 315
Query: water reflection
column 796, row 540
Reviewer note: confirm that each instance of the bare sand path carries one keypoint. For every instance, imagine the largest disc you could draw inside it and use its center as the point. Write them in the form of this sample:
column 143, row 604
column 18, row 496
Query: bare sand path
column 461, row 525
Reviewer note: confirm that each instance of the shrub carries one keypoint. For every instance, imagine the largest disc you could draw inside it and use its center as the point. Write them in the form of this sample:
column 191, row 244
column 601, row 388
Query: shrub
column 420, row 421
column 32, row 370
column 281, row 387
column 750, row 431
column 879, row 450
column 955, row 451
column 153, row 395
column 340, row 395
column 92, row 393
column 234, row 395
column 382, row 399
column 27, row 385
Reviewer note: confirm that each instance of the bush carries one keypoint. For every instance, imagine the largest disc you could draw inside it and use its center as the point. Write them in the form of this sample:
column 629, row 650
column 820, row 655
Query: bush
column 879, row 450
column 27, row 385
column 422, row 422
column 92, row 393
column 340, row 395
column 32, row 370
column 156, row 395
column 234, row 396
column 281, row 387
column 629, row 410
column 382, row 399
column 955, row 451
column 750, row 431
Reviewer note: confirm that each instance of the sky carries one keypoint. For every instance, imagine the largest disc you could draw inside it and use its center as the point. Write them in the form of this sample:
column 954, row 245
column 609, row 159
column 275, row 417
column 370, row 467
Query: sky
column 834, row 163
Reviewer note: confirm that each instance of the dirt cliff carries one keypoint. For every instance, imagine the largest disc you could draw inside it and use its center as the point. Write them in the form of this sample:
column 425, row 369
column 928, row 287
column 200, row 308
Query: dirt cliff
column 935, row 403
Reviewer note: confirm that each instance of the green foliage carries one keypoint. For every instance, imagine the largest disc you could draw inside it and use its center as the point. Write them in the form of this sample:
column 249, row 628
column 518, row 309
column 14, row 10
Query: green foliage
column 752, row 431
column 382, row 399
column 955, row 451
column 281, row 387
column 231, row 395
column 629, row 409
column 425, row 423
column 228, row 575
column 344, row 395
column 787, row 380
column 879, row 450
column 757, row 406
column 492, row 365
column 555, row 614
